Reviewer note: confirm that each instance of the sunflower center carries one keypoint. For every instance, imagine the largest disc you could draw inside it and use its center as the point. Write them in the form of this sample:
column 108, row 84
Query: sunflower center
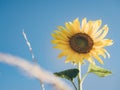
column 81, row 43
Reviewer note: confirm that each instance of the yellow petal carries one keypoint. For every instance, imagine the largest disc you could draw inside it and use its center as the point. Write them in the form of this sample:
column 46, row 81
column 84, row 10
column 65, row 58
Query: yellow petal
column 102, row 43
column 106, row 53
column 61, row 47
column 59, row 42
column 97, row 58
column 62, row 54
column 58, row 37
column 64, row 30
column 96, row 26
column 79, row 60
column 69, row 27
column 91, row 60
column 68, row 59
column 62, row 35
column 103, row 34
column 91, row 29
column 97, row 34
column 84, row 21
column 76, row 25
column 99, row 43
column 107, row 42
column 88, row 27
column 55, row 36
column 101, row 52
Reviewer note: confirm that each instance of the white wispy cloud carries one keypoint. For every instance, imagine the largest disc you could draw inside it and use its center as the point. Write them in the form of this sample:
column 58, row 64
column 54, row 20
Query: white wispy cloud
column 34, row 70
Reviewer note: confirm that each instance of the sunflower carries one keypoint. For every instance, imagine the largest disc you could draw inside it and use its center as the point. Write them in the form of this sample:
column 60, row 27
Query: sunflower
column 82, row 42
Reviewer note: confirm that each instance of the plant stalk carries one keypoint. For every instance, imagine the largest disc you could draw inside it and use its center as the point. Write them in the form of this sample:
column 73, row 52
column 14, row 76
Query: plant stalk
column 79, row 77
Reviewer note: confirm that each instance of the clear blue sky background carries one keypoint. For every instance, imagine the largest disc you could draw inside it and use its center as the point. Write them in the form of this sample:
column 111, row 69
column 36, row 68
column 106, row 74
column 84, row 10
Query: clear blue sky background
column 39, row 18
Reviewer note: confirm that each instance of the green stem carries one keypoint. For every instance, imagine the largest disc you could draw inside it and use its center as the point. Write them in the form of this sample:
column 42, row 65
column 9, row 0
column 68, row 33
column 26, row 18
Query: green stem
column 79, row 77
column 74, row 85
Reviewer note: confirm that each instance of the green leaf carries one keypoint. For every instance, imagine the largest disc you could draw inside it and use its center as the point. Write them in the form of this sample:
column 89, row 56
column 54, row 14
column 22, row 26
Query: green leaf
column 69, row 74
column 99, row 71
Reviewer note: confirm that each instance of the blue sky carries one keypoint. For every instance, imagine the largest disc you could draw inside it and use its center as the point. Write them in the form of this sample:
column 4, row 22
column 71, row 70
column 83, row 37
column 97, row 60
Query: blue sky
column 39, row 18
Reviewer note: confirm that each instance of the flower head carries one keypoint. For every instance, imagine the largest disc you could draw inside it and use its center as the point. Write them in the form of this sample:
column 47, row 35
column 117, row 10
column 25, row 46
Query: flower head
column 82, row 42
